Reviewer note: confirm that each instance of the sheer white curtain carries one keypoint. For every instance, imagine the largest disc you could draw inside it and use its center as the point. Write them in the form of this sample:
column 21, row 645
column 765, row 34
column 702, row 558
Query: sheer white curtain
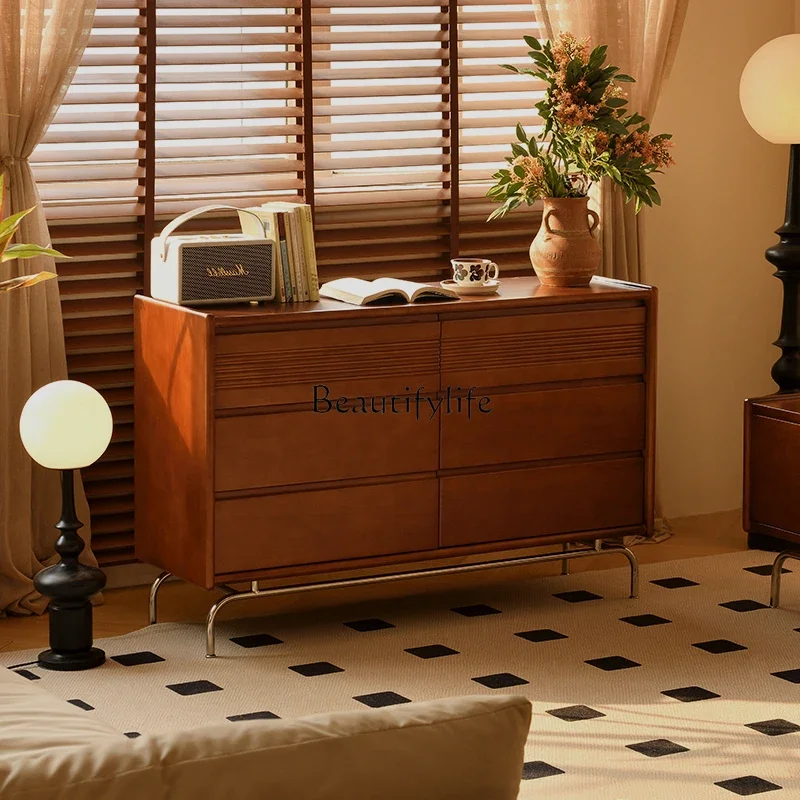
column 41, row 43
column 642, row 38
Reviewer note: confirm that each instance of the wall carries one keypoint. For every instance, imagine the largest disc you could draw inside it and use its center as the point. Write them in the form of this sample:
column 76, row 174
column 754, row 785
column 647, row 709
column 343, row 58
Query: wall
column 719, row 305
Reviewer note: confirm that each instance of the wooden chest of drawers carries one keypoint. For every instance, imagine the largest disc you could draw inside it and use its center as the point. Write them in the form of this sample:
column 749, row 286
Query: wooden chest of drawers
column 246, row 467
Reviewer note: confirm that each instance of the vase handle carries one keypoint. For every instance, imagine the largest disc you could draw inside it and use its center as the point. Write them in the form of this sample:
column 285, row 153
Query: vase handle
column 547, row 222
column 595, row 219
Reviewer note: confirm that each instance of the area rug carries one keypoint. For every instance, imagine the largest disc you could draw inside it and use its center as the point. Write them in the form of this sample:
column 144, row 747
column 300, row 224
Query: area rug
column 691, row 691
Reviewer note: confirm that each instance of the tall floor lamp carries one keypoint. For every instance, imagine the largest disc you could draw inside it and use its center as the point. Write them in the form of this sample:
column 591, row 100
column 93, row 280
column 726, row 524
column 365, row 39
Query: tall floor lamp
column 769, row 92
column 67, row 425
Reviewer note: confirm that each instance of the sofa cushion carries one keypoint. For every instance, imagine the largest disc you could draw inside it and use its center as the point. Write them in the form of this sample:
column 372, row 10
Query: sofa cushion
column 32, row 719
column 457, row 749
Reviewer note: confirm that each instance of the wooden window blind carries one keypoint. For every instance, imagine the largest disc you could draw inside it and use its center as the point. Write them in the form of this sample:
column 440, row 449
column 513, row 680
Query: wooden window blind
column 388, row 118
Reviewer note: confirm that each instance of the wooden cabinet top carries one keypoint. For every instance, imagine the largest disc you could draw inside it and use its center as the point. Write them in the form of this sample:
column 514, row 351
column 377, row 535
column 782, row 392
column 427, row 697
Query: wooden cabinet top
column 514, row 293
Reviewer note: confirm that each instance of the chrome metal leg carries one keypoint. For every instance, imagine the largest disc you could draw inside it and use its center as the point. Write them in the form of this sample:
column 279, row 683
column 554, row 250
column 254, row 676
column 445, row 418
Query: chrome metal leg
column 153, row 594
column 211, row 647
column 775, row 584
column 634, row 562
column 564, row 561
column 565, row 555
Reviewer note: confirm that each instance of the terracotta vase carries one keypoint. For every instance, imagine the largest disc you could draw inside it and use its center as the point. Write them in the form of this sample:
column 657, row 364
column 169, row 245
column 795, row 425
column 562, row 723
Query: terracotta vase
column 565, row 252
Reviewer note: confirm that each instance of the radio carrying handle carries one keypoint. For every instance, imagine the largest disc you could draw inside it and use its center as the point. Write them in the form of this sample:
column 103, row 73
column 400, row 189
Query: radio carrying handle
column 196, row 212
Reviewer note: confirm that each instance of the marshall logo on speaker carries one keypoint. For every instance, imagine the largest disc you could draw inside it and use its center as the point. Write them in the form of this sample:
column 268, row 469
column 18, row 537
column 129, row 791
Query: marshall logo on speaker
column 200, row 269
column 224, row 272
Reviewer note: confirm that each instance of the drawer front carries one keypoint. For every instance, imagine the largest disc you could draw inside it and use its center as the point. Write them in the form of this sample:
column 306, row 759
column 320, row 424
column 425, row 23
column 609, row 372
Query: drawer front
column 559, row 423
column 283, row 367
column 545, row 347
column 306, row 447
column 541, row 501
column 258, row 533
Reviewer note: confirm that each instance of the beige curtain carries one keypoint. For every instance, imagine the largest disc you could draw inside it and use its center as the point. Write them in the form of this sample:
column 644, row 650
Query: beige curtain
column 642, row 38
column 41, row 43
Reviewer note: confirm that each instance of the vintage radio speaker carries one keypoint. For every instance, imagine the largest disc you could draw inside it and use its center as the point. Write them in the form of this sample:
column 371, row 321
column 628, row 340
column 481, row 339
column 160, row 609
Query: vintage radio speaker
column 198, row 269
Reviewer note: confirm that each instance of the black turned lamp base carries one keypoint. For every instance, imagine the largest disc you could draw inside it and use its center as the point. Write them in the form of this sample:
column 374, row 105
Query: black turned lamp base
column 72, row 662
column 70, row 585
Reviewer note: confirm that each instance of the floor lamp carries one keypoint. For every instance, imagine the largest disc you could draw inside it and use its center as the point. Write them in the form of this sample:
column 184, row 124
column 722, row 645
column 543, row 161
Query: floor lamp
column 67, row 425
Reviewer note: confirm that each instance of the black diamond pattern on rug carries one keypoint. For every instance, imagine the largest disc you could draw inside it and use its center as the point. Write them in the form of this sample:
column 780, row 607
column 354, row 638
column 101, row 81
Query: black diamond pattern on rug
column 645, row 620
column 690, row 694
column 194, row 687
column 764, row 569
column 575, row 713
column 256, row 640
column 717, row 646
column 501, row 680
column 432, row 651
column 541, row 635
column 315, row 668
column 252, row 715
column 381, row 699
column 791, row 675
column 656, row 748
column 539, row 769
column 81, row 704
column 674, row 583
column 26, row 673
column 479, row 610
column 579, row 596
column 366, row 625
column 135, row 659
column 132, row 734
column 743, row 605
column 748, row 785
column 612, row 663
column 774, row 727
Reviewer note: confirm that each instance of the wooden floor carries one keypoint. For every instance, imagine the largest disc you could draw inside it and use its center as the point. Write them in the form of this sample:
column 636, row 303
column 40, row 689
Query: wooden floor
column 125, row 610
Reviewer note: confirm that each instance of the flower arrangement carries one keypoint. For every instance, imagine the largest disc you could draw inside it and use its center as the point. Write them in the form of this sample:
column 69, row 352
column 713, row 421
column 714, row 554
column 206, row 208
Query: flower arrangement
column 10, row 252
column 588, row 132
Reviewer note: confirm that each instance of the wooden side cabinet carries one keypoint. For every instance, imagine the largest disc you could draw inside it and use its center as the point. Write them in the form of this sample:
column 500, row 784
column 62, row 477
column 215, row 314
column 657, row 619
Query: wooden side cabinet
column 771, row 505
column 245, row 473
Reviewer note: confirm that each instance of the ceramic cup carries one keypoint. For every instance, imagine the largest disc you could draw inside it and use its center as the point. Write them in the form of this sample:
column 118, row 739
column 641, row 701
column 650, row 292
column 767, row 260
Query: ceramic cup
column 473, row 271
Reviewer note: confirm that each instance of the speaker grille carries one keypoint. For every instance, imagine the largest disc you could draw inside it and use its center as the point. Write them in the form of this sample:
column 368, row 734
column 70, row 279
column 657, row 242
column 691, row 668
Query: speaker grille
column 225, row 272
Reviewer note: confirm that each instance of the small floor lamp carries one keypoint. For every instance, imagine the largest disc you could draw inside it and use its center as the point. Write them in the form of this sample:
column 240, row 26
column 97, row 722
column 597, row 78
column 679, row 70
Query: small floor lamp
column 769, row 92
column 67, row 425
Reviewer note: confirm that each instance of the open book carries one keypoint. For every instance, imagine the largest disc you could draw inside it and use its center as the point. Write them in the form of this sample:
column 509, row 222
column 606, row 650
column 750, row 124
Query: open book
column 359, row 292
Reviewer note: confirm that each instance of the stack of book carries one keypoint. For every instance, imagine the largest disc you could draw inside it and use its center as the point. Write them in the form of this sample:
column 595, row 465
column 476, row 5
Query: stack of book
column 290, row 225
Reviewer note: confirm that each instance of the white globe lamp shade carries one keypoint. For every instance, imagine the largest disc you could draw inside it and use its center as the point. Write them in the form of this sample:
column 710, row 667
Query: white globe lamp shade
column 66, row 425
column 769, row 90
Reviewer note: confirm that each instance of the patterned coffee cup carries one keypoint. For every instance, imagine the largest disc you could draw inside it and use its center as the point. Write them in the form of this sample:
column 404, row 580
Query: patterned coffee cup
column 473, row 271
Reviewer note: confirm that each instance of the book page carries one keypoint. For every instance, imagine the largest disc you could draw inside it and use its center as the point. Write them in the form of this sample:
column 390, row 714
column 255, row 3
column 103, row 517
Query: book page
column 397, row 284
column 355, row 287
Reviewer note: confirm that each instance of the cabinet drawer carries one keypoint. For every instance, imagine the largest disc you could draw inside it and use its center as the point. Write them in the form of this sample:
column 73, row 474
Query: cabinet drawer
column 544, row 347
column 541, row 501
column 328, row 525
column 559, row 423
column 283, row 367
column 306, row 447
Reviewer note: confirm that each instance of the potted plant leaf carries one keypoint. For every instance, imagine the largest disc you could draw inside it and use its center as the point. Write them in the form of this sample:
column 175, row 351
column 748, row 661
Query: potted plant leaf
column 10, row 252
column 588, row 134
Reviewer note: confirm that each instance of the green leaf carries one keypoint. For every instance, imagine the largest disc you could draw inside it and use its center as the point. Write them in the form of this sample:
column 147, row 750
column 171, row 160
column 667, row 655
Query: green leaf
column 518, row 149
column 623, row 78
column 10, row 224
column 616, row 102
column 521, row 134
column 532, row 42
column 29, row 251
column 509, row 67
column 574, row 70
column 519, row 171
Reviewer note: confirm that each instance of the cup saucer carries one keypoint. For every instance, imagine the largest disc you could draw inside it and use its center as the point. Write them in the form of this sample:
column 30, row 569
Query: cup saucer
column 490, row 287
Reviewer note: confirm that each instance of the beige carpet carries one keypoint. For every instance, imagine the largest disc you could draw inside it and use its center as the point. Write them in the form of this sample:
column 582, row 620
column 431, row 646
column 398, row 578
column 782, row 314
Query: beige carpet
column 438, row 645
